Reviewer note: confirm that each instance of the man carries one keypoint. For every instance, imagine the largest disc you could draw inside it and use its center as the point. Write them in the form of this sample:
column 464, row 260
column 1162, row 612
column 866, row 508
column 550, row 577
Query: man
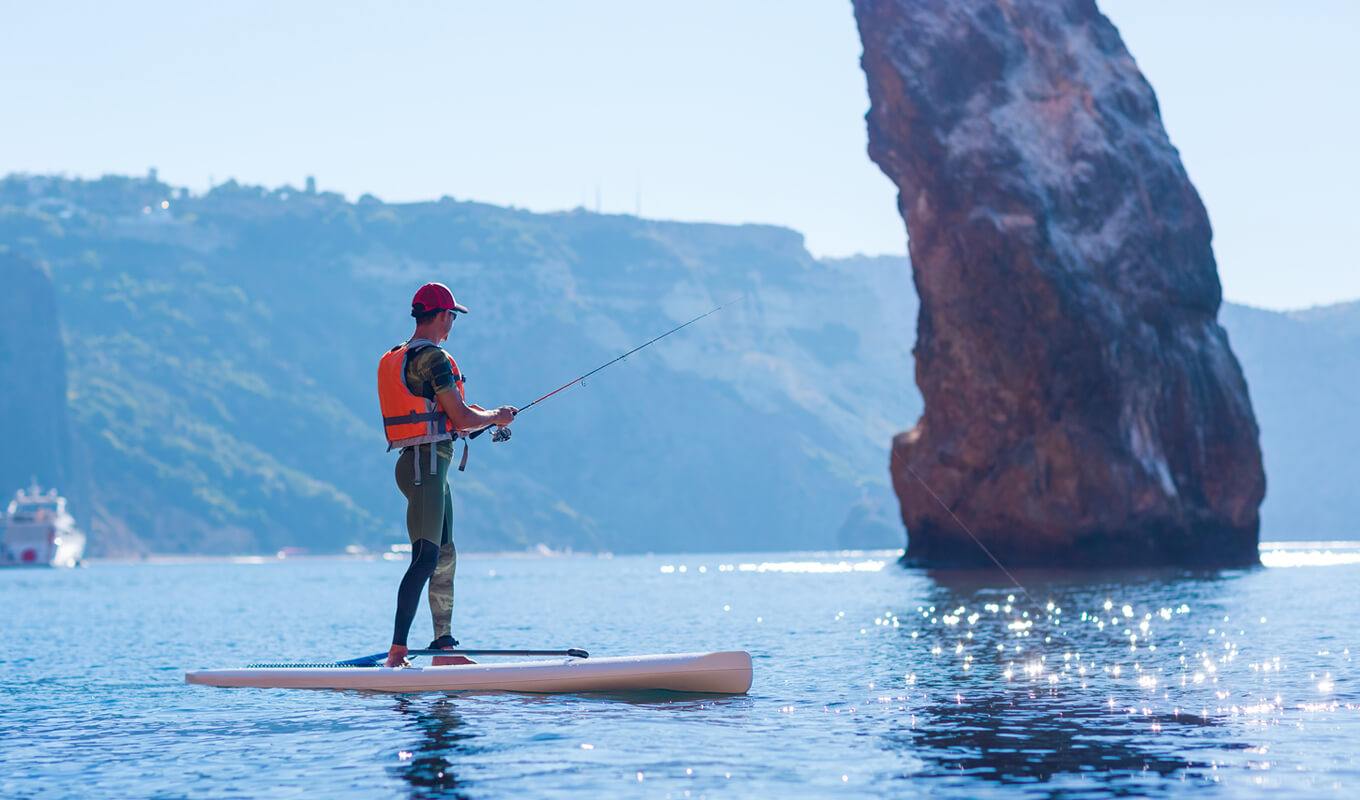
column 421, row 393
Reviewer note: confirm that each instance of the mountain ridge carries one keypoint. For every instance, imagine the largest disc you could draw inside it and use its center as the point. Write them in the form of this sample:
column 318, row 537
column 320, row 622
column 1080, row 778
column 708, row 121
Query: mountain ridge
column 228, row 380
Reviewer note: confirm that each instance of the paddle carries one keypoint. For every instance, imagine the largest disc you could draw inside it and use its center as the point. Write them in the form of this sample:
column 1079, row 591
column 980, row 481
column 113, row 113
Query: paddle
column 574, row 652
column 373, row 660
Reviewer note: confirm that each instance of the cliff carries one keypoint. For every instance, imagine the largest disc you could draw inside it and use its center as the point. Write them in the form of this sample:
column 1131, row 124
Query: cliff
column 35, row 429
column 1304, row 371
column 1082, row 405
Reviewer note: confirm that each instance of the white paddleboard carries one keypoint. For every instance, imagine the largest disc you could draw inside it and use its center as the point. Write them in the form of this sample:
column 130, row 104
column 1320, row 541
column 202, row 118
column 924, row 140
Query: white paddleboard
column 716, row 673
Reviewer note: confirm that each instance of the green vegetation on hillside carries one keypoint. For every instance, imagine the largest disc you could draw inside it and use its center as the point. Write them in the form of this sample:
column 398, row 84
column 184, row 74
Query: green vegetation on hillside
column 221, row 353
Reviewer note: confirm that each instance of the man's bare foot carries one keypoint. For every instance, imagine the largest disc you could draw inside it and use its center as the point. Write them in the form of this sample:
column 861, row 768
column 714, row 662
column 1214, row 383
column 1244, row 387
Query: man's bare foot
column 450, row 661
column 396, row 657
column 447, row 642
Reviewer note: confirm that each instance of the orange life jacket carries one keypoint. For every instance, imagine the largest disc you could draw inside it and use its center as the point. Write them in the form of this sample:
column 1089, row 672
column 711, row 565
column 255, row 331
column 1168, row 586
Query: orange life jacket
column 409, row 419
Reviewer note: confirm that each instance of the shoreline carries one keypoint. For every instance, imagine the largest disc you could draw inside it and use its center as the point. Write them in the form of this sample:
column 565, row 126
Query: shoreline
column 190, row 558
column 171, row 558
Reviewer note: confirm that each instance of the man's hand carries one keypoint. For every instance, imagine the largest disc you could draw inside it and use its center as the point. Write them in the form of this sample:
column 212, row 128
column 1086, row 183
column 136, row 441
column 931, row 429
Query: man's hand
column 505, row 415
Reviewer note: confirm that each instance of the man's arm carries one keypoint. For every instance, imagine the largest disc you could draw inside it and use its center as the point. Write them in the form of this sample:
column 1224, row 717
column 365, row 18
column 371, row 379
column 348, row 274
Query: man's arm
column 467, row 418
column 433, row 365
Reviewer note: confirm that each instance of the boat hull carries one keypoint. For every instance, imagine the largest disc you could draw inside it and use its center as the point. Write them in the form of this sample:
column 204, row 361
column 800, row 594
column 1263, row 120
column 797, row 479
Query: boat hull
column 29, row 545
column 713, row 673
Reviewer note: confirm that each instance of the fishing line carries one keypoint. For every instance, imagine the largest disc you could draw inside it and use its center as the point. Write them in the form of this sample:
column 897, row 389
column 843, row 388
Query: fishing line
column 627, row 354
column 1043, row 612
column 581, row 380
column 966, row 530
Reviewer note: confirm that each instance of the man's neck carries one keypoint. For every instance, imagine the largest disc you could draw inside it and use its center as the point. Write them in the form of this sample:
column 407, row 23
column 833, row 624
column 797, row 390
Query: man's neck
column 426, row 332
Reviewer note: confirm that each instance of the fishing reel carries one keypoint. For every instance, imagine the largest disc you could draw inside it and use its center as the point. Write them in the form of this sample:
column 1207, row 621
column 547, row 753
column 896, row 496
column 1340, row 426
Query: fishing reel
column 501, row 435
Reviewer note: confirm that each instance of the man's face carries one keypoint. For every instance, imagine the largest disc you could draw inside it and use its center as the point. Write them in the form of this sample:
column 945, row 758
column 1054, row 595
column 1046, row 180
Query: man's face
column 448, row 323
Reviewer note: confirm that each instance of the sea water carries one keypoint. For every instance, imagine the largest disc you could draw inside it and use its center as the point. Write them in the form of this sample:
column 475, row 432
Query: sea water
column 870, row 680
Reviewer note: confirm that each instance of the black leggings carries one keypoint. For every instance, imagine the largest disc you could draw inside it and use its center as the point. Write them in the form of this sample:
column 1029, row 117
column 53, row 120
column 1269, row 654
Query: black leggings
column 424, row 558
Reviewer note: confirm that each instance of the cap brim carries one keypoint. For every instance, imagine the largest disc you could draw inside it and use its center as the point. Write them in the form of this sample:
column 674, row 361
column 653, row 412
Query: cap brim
column 459, row 309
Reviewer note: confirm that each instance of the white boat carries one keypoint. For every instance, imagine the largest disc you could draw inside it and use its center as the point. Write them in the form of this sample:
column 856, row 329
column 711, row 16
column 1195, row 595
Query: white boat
column 37, row 531
column 713, row 673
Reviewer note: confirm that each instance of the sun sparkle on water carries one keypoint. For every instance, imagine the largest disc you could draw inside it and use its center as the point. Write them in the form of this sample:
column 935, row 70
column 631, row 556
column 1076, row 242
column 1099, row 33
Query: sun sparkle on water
column 1156, row 667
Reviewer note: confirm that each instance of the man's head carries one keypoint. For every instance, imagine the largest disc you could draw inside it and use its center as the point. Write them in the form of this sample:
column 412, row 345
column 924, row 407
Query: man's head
column 435, row 309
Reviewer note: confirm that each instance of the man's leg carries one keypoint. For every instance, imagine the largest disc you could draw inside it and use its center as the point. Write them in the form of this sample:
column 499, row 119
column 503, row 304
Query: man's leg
column 424, row 526
column 441, row 585
column 441, row 589
column 424, row 557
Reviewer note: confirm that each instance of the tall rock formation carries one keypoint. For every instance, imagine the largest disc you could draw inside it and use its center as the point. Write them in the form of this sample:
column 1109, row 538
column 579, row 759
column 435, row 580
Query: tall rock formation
column 1082, row 405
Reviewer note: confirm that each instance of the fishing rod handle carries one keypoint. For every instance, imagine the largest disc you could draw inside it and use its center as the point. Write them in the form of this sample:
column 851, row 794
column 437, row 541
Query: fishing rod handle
column 496, row 438
column 481, row 431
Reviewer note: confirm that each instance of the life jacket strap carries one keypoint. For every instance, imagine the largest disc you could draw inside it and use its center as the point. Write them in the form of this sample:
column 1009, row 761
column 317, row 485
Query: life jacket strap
column 416, row 416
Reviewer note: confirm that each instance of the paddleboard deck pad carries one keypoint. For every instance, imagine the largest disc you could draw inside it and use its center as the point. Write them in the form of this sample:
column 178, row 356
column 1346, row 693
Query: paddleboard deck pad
column 711, row 673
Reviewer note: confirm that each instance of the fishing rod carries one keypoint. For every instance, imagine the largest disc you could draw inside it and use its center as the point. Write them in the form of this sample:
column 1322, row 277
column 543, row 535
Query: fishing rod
column 503, row 434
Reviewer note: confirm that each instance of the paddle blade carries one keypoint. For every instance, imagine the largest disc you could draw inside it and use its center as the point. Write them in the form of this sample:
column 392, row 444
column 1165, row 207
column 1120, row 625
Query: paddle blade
column 364, row 661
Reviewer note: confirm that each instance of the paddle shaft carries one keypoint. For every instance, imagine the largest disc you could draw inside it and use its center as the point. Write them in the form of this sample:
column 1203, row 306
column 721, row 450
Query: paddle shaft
column 573, row 652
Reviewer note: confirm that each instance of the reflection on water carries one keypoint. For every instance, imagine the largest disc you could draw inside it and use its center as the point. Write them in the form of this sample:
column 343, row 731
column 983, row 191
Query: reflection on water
column 994, row 738
column 441, row 739
column 1058, row 682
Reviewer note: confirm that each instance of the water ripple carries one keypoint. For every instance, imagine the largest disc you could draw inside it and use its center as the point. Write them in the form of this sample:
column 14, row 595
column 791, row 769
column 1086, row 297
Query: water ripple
column 869, row 679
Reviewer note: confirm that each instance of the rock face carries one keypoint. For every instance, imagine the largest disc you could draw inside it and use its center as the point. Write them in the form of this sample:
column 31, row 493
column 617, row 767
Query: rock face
column 35, row 431
column 1082, row 406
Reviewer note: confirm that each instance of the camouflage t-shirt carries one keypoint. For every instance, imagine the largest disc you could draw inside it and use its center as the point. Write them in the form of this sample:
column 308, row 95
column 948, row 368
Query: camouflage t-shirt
column 429, row 375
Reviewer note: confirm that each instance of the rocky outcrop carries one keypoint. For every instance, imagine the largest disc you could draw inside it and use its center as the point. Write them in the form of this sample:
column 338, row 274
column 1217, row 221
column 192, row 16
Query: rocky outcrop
column 1082, row 406
column 35, row 430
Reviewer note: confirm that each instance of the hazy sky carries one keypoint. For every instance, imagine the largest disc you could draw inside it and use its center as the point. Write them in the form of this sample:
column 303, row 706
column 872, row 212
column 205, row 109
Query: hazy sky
column 727, row 111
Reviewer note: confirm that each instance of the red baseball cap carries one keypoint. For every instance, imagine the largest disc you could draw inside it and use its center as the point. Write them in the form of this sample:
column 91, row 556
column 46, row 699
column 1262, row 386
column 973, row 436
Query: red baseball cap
column 434, row 297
